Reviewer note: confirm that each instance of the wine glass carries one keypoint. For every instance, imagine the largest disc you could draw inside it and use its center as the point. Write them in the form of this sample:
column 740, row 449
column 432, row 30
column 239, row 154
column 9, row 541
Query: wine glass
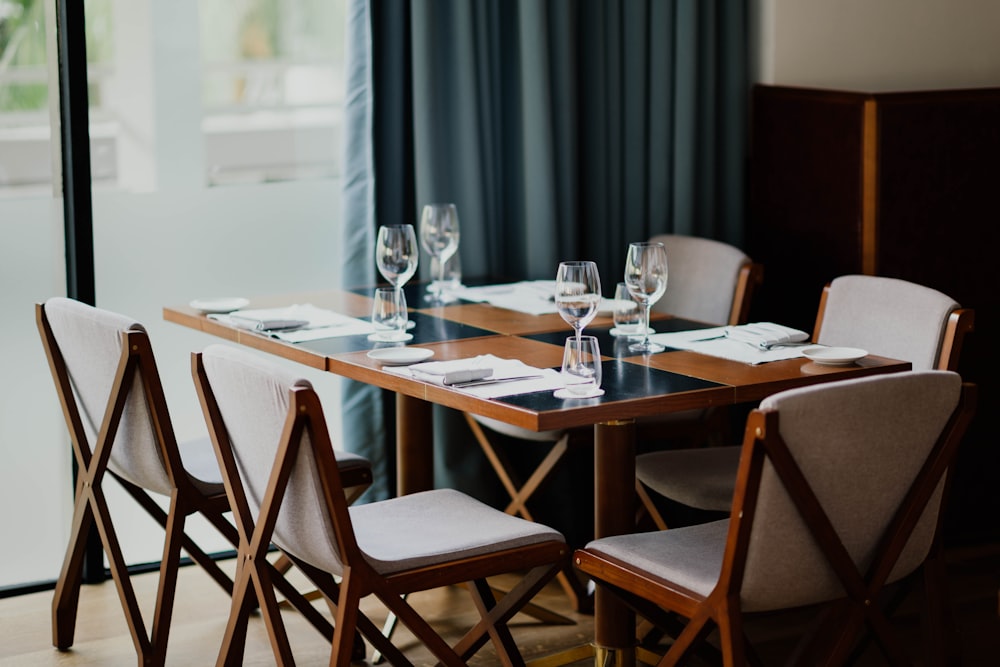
column 646, row 278
column 578, row 293
column 439, row 238
column 396, row 253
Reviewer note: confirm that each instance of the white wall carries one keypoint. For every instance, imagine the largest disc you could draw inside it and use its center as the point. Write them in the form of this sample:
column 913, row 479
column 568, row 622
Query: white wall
column 877, row 45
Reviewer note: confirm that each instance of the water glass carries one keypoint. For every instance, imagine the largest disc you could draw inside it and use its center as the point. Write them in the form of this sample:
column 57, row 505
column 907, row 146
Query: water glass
column 389, row 315
column 581, row 367
column 627, row 314
column 439, row 235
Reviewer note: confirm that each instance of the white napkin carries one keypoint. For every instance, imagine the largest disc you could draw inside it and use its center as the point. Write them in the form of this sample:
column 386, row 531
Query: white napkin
column 453, row 371
column 535, row 379
column 766, row 335
column 319, row 323
column 535, row 297
column 714, row 342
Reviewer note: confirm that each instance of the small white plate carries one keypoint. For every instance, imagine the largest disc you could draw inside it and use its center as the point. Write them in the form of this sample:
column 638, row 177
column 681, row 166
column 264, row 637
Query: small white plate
column 221, row 305
column 833, row 356
column 390, row 338
column 400, row 356
column 565, row 393
column 606, row 307
column 630, row 334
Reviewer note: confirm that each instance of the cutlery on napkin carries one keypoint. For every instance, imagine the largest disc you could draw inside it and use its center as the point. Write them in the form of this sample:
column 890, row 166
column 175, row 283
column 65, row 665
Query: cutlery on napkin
column 267, row 324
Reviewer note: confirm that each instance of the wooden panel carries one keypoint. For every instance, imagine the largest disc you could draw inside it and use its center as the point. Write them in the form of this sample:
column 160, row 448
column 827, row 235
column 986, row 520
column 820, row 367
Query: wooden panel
column 805, row 197
column 919, row 170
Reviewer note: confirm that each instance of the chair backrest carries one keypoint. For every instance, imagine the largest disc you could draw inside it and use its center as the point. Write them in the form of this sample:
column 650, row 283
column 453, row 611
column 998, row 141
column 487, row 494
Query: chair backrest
column 86, row 349
column 859, row 445
column 707, row 280
column 893, row 318
column 253, row 429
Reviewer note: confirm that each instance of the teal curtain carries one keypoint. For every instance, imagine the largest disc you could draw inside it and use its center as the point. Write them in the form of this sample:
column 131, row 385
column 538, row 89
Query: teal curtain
column 562, row 129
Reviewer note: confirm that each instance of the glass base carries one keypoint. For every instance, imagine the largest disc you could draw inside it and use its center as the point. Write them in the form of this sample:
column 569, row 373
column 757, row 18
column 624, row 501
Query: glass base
column 646, row 347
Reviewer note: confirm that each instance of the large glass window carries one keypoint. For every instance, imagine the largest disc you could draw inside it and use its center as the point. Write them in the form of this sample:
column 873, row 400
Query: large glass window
column 271, row 88
column 271, row 92
column 26, row 157
column 162, row 236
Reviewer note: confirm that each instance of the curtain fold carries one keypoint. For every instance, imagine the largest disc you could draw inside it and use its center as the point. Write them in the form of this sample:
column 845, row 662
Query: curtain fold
column 364, row 408
column 561, row 129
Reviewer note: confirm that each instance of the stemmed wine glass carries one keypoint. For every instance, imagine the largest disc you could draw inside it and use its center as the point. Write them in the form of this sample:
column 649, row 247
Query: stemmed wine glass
column 578, row 294
column 439, row 238
column 396, row 254
column 646, row 278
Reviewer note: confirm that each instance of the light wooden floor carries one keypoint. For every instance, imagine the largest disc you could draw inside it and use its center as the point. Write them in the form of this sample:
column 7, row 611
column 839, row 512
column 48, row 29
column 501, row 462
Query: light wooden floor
column 102, row 637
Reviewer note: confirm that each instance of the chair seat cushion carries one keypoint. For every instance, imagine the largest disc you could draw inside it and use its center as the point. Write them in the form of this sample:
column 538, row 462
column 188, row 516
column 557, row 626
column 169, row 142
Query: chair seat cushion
column 438, row 526
column 701, row 478
column 689, row 556
column 200, row 464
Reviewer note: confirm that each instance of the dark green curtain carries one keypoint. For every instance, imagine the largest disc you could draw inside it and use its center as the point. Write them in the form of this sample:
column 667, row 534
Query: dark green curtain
column 562, row 129
column 565, row 129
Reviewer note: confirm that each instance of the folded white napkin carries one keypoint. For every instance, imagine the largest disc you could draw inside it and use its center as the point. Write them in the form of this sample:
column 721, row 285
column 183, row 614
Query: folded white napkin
column 715, row 342
column 535, row 297
column 766, row 335
column 453, row 371
column 514, row 376
column 312, row 323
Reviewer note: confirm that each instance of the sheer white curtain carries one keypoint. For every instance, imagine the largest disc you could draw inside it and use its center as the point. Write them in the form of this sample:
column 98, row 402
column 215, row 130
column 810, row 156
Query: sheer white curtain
column 364, row 428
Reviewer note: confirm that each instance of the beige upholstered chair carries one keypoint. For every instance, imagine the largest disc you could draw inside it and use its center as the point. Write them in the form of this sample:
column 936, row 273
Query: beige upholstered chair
column 272, row 442
column 109, row 387
column 840, row 491
column 709, row 281
column 885, row 316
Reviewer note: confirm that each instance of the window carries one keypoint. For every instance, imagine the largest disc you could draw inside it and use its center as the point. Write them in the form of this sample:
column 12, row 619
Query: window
column 270, row 79
column 272, row 88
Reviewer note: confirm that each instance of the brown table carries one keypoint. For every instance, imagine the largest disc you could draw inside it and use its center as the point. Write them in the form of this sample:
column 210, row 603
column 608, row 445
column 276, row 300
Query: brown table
column 635, row 386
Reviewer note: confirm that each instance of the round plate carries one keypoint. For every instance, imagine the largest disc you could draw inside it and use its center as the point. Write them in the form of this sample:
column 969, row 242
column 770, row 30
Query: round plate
column 833, row 356
column 222, row 305
column 638, row 332
column 565, row 393
column 400, row 356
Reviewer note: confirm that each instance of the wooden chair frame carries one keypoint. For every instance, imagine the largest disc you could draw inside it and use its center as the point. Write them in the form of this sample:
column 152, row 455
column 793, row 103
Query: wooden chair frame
column 960, row 322
column 91, row 507
column 859, row 609
column 305, row 416
column 751, row 276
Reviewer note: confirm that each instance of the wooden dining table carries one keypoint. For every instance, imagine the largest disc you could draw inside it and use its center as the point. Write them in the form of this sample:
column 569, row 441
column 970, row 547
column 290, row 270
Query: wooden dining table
column 635, row 386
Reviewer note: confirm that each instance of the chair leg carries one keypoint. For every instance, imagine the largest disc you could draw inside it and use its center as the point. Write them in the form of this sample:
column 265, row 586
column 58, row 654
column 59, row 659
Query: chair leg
column 65, row 601
column 234, row 640
column 646, row 504
column 169, row 565
column 119, row 572
column 505, row 608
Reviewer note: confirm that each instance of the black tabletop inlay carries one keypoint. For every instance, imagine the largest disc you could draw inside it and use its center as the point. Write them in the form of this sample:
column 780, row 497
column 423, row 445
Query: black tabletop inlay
column 427, row 329
column 621, row 381
column 617, row 346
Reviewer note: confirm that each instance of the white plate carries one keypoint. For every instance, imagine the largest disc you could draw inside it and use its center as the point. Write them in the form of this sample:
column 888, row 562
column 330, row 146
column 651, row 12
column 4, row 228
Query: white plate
column 221, row 305
column 833, row 356
column 400, row 356
column 606, row 307
column 565, row 393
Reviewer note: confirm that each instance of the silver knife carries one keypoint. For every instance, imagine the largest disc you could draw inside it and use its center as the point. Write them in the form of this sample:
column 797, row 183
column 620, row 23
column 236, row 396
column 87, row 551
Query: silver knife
column 478, row 383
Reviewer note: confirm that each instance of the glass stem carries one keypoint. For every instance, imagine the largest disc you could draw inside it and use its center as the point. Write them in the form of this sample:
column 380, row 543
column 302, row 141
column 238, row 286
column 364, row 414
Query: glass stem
column 645, row 330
